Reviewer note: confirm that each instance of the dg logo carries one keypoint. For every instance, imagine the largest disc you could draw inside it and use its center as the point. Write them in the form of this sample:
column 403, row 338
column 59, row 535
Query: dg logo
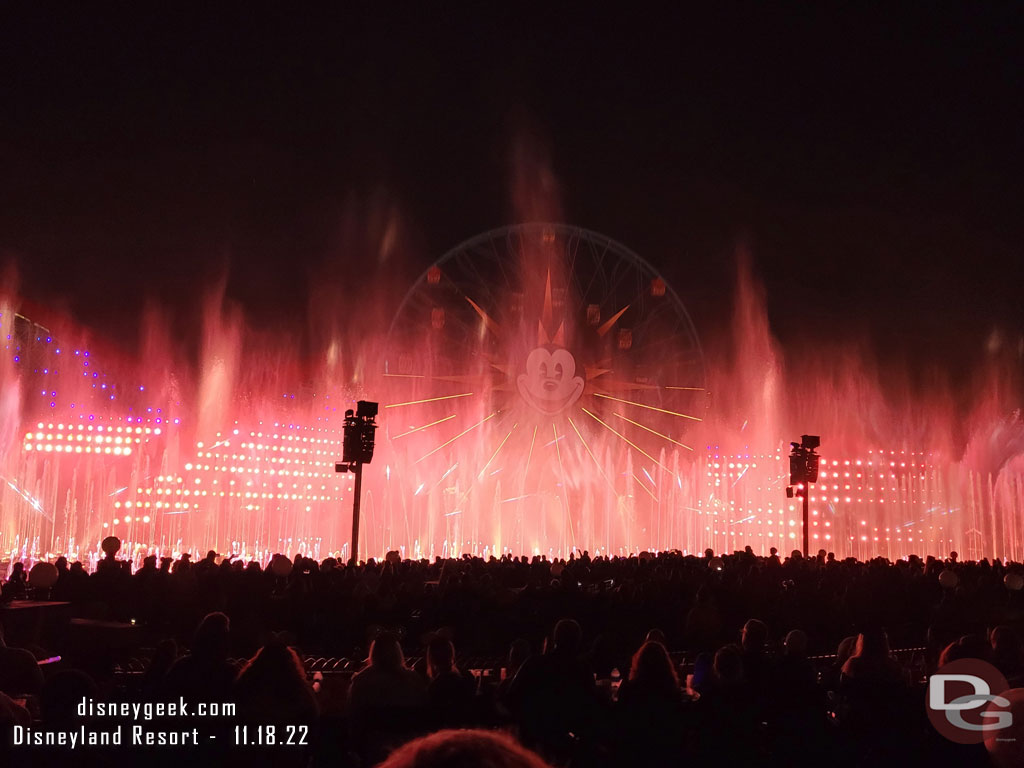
column 970, row 702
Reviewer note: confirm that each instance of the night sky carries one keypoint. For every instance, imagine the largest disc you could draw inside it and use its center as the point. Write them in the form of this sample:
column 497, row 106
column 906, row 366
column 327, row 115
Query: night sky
column 871, row 161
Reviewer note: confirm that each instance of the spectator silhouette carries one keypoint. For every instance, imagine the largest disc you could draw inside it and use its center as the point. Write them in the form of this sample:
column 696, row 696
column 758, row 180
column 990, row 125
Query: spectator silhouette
column 16, row 587
column 703, row 623
column 205, row 674
column 19, row 672
column 797, row 705
column 386, row 700
column 271, row 689
column 650, row 711
column 154, row 679
column 552, row 696
column 450, row 693
column 874, row 698
column 1008, row 655
column 728, row 713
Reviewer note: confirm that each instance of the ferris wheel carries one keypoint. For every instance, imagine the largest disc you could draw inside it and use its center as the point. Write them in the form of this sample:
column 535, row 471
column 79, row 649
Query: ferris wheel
column 541, row 359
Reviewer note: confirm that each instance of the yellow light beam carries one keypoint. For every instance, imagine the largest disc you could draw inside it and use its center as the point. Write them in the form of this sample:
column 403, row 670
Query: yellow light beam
column 497, row 450
column 607, row 325
column 648, row 407
column 465, row 495
column 428, row 400
column 641, row 484
column 653, row 432
column 529, row 456
column 592, row 456
column 425, row 426
column 627, row 441
column 405, row 375
column 688, row 389
column 561, row 467
column 463, row 432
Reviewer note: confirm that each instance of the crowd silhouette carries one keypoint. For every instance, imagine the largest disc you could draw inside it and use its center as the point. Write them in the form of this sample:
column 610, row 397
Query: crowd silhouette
column 656, row 659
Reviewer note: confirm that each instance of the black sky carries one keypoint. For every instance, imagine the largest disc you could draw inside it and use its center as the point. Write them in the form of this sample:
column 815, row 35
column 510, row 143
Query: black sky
column 871, row 158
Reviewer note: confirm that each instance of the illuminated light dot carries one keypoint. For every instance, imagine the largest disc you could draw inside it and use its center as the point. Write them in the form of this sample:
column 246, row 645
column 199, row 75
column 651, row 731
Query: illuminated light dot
column 118, row 520
column 145, row 519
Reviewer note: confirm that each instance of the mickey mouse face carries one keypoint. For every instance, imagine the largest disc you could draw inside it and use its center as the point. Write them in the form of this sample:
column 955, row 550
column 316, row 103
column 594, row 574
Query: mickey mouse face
column 550, row 384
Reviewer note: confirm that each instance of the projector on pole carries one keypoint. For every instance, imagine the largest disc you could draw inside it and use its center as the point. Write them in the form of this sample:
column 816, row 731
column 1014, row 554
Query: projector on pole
column 356, row 450
column 803, row 470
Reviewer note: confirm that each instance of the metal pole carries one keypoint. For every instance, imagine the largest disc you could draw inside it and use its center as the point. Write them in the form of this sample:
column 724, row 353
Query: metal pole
column 358, row 470
column 807, row 523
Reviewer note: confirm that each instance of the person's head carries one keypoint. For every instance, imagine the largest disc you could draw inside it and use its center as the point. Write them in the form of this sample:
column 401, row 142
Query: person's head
column 212, row 637
column 796, row 643
column 275, row 667
column 656, row 636
column 440, row 657
column 1005, row 642
column 728, row 665
column 967, row 647
column 846, row 648
column 872, row 644
column 463, row 749
column 386, row 652
column 567, row 636
column 755, row 635
column 653, row 666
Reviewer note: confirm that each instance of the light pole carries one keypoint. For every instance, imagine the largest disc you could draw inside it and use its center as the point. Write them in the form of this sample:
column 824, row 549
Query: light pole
column 803, row 470
column 357, row 449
